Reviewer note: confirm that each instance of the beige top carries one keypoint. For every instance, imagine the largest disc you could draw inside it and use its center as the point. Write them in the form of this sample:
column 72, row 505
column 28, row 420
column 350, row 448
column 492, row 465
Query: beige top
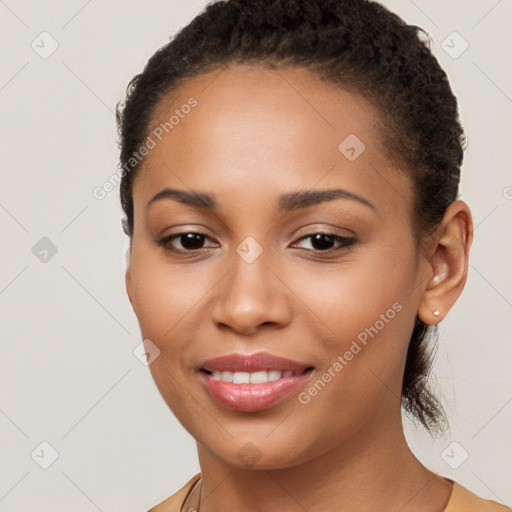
column 461, row 500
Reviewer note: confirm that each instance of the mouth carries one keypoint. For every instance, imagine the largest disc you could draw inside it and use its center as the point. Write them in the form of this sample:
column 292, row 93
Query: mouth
column 260, row 377
column 252, row 383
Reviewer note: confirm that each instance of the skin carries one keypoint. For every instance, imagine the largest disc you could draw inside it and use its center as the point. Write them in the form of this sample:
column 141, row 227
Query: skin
column 254, row 135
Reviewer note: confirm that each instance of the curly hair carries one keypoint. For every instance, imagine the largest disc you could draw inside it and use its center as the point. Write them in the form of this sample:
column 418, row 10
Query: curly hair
column 357, row 45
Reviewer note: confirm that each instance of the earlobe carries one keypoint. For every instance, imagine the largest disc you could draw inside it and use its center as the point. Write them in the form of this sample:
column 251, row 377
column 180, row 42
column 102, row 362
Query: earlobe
column 448, row 264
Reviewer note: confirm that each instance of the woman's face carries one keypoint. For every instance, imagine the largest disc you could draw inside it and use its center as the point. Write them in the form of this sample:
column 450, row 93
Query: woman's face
column 257, row 279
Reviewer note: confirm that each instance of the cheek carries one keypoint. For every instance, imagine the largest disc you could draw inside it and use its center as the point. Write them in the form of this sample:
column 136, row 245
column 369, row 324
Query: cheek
column 164, row 299
column 167, row 299
column 364, row 317
column 163, row 293
column 350, row 297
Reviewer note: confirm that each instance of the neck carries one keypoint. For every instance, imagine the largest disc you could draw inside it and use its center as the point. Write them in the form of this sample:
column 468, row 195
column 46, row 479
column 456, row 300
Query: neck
column 374, row 470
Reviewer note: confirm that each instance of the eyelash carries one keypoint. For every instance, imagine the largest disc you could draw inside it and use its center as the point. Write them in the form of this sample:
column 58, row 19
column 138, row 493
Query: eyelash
column 344, row 242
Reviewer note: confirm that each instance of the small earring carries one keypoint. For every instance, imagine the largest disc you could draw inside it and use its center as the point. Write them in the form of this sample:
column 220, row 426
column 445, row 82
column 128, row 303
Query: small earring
column 436, row 312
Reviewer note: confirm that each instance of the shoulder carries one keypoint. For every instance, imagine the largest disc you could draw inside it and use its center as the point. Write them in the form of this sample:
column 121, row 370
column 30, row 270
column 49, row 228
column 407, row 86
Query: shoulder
column 463, row 500
column 173, row 503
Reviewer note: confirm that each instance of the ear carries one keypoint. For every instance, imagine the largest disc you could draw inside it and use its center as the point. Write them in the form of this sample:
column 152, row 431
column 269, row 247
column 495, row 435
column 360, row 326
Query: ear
column 127, row 275
column 448, row 260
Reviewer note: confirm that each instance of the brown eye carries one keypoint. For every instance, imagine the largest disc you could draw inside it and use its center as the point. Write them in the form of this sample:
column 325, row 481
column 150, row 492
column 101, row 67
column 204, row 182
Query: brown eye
column 191, row 241
column 186, row 242
column 325, row 242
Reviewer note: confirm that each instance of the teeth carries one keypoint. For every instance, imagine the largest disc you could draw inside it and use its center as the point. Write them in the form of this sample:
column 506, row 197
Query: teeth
column 254, row 377
column 241, row 377
column 274, row 375
column 259, row 377
column 226, row 376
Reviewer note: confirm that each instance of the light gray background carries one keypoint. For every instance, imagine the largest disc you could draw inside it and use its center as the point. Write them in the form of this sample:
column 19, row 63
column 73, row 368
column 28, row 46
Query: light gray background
column 68, row 373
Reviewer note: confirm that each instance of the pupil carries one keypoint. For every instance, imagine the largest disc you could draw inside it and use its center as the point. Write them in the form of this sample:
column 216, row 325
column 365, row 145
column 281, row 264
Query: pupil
column 192, row 241
column 317, row 240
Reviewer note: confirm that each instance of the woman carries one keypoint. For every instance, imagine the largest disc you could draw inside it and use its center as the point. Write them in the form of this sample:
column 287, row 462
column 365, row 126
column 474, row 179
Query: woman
column 290, row 185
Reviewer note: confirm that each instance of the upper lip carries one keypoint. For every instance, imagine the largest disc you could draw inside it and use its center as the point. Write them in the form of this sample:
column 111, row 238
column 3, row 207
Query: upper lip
column 252, row 363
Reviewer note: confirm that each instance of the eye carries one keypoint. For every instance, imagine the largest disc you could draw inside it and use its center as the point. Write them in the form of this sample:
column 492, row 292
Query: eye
column 323, row 242
column 189, row 242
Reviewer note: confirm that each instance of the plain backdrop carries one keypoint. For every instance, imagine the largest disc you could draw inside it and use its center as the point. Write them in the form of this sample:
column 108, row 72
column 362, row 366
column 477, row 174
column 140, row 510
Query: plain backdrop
column 69, row 378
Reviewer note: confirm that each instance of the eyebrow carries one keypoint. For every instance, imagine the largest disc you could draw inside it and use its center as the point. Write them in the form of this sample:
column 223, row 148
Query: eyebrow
column 287, row 202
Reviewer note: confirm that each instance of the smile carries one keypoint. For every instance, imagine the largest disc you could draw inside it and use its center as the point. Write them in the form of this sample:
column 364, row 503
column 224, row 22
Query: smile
column 250, row 383
column 253, row 377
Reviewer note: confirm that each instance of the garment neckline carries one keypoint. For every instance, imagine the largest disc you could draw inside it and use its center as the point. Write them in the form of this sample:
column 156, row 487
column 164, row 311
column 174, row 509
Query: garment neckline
column 195, row 504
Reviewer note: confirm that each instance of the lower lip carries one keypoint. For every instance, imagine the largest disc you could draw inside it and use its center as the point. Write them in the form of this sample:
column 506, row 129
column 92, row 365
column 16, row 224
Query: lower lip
column 252, row 397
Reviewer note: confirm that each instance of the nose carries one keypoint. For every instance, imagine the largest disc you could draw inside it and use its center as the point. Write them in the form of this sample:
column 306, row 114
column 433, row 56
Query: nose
column 250, row 297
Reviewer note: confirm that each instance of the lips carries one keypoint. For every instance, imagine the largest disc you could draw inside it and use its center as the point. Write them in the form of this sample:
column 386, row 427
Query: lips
column 252, row 363
column 252, row 383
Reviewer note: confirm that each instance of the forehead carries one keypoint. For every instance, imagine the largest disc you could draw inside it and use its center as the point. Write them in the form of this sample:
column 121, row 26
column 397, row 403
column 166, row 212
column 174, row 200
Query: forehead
column 279, row 129
column 268, row 100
